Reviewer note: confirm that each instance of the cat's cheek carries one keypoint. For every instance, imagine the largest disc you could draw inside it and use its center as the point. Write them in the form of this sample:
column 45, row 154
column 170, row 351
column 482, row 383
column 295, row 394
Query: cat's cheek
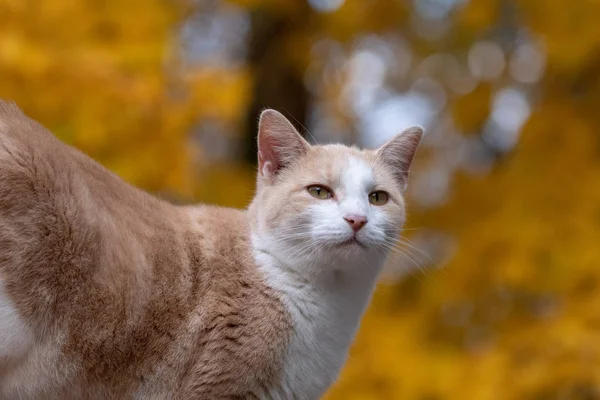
column 394, row 215
column 384, row 235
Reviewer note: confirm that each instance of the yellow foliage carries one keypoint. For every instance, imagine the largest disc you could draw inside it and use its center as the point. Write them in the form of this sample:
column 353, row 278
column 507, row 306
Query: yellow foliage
column 560, row 23
column 479, row 15
column 472, row 110
column 94, row 73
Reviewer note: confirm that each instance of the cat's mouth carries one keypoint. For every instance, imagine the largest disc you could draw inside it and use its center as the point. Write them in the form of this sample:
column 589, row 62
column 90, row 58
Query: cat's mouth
column 352, row 241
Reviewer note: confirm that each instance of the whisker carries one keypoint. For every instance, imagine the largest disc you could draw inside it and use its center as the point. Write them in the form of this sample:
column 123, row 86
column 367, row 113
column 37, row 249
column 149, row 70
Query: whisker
column 410, row 244
column 392, row 247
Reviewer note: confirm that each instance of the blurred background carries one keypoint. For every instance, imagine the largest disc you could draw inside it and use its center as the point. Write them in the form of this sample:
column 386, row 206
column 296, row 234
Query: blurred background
column 494, row 293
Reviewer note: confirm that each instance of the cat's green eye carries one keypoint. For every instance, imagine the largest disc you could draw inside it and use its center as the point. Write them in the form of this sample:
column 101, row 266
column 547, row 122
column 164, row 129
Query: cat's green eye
column 378, row 198
column 319, row 192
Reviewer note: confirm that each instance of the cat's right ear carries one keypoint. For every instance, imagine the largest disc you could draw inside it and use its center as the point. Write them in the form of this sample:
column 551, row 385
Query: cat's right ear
column 279, row 143
column 398, row 153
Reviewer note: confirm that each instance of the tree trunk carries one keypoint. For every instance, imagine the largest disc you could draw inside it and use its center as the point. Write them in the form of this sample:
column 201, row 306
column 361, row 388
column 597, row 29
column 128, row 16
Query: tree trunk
column 278, row 84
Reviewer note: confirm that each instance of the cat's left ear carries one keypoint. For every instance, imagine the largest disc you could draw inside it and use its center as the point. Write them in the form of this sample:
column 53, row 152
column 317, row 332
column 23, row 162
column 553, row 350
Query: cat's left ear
column 398, row 153
column 279, row 143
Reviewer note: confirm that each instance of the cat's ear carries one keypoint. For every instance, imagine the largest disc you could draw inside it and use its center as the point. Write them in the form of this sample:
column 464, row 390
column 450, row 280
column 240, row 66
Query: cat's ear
column 279, row 143
column 399, row 152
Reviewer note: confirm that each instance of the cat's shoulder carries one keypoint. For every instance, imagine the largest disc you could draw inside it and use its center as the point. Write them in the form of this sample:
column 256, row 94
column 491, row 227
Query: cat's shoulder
column 220, row 227
column 206, row 213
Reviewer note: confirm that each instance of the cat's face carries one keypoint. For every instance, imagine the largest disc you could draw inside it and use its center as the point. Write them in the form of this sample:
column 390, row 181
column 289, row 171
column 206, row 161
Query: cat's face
column 327, row 205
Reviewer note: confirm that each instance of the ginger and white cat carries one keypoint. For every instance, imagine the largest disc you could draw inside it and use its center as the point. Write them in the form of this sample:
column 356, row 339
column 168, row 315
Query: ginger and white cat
column 109, row 293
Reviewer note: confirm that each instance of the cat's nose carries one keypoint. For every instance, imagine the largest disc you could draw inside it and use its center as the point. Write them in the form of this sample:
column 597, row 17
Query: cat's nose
column 356, row 221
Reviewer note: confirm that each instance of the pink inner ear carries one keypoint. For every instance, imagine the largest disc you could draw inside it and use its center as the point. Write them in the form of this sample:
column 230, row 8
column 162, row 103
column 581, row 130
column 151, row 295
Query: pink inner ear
column 267, row 157
column 265, row 166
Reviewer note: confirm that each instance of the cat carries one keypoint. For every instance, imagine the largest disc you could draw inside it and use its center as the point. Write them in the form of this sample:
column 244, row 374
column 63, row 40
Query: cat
column 107, row 292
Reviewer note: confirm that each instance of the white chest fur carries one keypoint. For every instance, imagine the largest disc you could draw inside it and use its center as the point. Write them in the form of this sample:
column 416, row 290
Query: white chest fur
column 325, row 318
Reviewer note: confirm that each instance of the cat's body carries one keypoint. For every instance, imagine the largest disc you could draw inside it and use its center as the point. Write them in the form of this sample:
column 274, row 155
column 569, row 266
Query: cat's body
column 107, row 292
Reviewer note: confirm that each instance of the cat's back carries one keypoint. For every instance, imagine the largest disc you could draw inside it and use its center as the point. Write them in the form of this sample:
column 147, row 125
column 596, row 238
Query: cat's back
column 25, row 149
column 59, row 213
column 53, row 196
column 107, row 292
column 40, row 170
column 65, row 227
column 38, row 206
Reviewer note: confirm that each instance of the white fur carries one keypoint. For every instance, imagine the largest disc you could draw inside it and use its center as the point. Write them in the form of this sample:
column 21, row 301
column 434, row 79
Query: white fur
column 15, row 338
column 325, row 290
column 30, row 367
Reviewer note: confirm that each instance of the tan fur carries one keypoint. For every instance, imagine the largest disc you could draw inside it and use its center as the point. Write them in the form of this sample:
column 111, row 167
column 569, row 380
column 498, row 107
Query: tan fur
column 124, row 294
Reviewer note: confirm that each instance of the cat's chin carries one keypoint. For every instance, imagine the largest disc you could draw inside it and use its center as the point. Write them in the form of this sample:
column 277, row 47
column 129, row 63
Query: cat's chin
column 353, row 241
column 350, row 249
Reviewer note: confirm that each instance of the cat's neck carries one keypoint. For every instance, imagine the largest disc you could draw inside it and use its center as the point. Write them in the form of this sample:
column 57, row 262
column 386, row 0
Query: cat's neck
column 326, row 309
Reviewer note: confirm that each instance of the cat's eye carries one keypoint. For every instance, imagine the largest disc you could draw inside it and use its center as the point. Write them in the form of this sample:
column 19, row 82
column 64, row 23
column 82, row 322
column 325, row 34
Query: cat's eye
column 378, row 198
column 319, row 192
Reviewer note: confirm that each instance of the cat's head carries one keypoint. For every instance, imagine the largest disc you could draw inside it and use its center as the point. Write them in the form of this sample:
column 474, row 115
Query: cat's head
column 327, row 205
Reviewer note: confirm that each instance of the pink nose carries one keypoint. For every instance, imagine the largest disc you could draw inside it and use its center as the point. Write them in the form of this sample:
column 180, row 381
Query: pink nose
column 356, row 221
